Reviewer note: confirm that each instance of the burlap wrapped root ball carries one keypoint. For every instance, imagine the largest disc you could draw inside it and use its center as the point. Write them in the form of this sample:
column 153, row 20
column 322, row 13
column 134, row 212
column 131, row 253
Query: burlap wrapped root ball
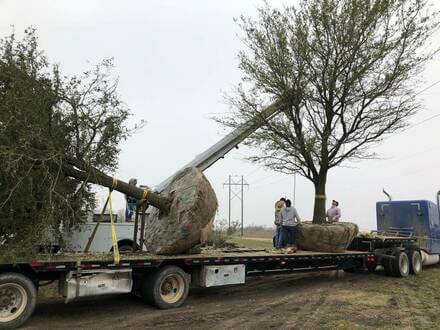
column 335, row 237
column 192, row 210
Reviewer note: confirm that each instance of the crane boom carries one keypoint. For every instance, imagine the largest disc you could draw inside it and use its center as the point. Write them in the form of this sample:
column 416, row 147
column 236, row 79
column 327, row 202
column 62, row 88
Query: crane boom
column 222, row 147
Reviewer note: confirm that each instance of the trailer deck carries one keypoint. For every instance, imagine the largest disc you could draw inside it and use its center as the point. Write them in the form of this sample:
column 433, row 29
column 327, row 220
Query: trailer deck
column 253, row 258
column 165, row 280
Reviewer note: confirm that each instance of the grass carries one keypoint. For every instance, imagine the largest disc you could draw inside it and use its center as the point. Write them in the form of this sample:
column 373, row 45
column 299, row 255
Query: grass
column 371, row 301
column 366, row 301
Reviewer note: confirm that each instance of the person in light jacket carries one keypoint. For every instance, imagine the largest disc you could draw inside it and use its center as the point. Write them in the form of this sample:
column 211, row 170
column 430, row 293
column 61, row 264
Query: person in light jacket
column 289, row 218
column 334, row 213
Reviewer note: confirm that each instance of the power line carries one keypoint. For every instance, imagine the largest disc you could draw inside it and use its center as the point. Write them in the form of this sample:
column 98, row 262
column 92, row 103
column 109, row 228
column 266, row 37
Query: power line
column 430, row 86
column 258, row 180
column 416, row 124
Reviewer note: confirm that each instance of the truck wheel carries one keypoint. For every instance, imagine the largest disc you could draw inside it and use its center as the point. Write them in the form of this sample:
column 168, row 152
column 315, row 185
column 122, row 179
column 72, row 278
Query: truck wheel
column 415, row 262
column 371, row 266
column 401, row 264
column 388, row 267
column 18, row 297
column 125, row 248
column 166, row 288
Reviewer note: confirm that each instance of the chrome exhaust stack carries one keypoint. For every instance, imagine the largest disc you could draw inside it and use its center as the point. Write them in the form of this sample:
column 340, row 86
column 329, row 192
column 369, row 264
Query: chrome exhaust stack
column 438, row 202
column 388, row 195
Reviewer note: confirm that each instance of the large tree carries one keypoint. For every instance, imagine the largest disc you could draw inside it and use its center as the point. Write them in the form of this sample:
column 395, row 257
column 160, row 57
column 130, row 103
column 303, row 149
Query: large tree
column 49, row 121
column 343, row 73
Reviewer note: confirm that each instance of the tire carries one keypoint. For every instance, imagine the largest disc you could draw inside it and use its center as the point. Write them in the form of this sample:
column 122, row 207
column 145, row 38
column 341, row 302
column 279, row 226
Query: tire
column 166, row 288
column 349, row 270
column 18, row 297
column 388, row 266
column 415, row 262
column 401, row 264
column 371, row 266
column 125, row 248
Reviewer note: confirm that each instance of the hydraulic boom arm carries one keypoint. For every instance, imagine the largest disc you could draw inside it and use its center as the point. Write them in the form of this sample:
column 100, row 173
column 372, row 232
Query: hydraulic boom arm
column 222, row 147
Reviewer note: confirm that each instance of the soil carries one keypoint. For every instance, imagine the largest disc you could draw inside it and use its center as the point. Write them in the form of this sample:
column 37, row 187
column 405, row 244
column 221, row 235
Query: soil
column 322, row 300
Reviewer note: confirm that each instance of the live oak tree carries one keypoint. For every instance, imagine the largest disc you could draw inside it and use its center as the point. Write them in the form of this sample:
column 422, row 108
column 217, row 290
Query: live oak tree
column 52, row 126
column 344, row 74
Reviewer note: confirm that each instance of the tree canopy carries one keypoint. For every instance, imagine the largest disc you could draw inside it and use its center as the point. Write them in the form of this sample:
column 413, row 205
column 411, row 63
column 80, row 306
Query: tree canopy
column 47, row 118
column 344, row 74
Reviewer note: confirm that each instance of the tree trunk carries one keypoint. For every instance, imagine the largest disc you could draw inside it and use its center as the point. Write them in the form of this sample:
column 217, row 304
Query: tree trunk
column 98, row 177
column 319, row 208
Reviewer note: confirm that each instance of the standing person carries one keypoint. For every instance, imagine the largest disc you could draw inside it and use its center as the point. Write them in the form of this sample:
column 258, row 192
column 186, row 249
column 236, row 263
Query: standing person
column 289, row 219
column 131, row 202
column 334, row 212
column 279, row 205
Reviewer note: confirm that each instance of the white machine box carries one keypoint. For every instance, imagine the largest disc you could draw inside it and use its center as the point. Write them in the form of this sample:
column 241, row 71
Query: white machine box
column 222, row 275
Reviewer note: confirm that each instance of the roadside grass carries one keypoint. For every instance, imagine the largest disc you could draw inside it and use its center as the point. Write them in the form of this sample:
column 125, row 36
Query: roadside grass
column 371, row 301
column 365, row 300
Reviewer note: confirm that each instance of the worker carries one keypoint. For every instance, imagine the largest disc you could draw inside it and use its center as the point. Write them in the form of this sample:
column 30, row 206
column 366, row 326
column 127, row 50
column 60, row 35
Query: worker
column 279, row 205
column 131, row 202
column 334, row 212
column 289, row 219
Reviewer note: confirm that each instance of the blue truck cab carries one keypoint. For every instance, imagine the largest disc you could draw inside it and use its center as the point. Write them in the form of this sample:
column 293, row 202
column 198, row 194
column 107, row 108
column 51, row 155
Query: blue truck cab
column 419, row 217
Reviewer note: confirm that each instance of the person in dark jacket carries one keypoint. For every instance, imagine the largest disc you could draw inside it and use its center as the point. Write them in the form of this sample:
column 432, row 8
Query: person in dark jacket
column 131, row 203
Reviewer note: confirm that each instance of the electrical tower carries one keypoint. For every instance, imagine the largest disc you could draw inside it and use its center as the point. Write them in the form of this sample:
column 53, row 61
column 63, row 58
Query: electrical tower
column 235, row 181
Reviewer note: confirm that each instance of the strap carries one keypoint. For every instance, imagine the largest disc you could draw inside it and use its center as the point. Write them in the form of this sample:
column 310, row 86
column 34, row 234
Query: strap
column 114, row 184
column 116, row 255
column 145, row 194
column 320, row 197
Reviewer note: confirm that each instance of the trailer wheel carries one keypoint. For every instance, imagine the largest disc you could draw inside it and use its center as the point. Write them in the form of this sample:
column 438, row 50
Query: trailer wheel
column 166, row 288
column 125, row 248
column 388, row 267
column 371, row 266
column 415, row 262
column 401, row 264
column 18, row 297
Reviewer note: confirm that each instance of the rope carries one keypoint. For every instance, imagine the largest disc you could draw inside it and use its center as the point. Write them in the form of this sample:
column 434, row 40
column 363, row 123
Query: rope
column 145, row 193
column 116, row 255
column 114, row 184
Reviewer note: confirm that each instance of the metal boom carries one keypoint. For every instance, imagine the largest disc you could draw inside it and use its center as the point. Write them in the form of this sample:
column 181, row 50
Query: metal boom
column 222, row 147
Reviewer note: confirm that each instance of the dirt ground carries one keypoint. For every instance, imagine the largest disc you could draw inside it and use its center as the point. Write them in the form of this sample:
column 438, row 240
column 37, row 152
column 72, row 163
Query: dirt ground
column 300, row 301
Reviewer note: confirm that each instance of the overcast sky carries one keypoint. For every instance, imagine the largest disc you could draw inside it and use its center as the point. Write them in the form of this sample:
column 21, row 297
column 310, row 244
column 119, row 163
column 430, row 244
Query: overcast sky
column 175, row 59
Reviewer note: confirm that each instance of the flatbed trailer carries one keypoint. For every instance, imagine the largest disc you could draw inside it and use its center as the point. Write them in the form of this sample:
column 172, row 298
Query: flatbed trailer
column 163, row 281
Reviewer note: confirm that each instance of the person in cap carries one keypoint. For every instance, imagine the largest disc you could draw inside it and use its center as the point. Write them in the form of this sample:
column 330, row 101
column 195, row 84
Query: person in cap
column 279, row 205
column 334, row 212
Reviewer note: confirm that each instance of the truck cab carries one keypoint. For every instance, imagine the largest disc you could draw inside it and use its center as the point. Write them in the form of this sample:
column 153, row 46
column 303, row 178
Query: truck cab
column 417, row 218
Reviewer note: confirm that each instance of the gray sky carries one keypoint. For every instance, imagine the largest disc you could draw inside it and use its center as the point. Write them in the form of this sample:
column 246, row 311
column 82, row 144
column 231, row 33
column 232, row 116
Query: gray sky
column 174, row 60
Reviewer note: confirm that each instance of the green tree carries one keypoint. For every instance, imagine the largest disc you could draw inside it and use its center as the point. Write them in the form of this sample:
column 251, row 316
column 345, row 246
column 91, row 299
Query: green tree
column 344, row 74
column 45, row 119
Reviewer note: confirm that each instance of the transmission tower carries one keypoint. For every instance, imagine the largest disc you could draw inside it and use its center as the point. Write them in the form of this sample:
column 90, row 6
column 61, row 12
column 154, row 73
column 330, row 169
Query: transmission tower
column 235, row 185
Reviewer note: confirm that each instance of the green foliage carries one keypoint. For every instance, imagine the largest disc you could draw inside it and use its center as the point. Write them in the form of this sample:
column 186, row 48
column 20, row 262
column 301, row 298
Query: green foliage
column 45, row 118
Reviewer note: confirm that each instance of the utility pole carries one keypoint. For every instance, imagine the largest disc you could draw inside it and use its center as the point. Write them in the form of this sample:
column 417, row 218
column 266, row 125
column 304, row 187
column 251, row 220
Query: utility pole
column 242, row 205
column 294, row 188
column 229, row 184
column 236, row 194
